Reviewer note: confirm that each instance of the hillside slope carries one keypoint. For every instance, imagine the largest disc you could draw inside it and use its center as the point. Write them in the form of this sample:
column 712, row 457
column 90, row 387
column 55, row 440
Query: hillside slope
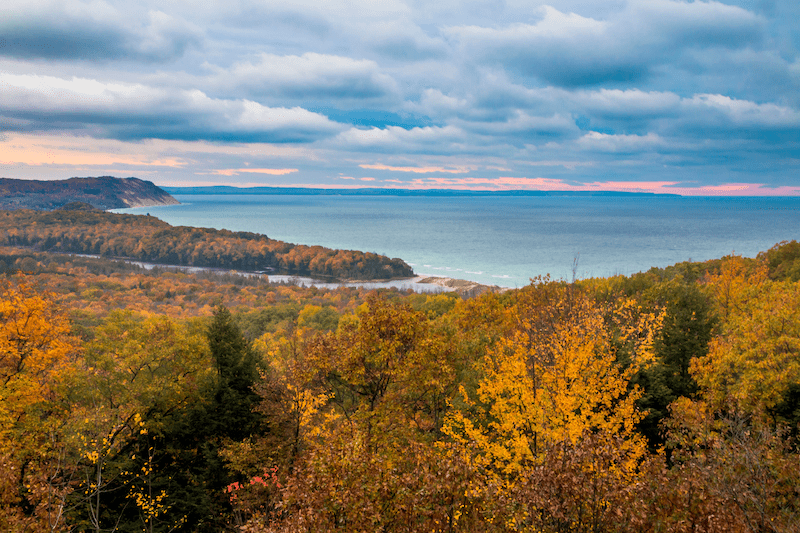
column 105, row 193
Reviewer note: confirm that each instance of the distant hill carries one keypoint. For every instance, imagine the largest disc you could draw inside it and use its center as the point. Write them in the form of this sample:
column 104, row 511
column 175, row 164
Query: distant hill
column 105, row 193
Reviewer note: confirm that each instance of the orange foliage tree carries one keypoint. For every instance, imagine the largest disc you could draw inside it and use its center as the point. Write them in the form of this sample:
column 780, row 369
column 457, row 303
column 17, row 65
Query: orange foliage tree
column 35, row 349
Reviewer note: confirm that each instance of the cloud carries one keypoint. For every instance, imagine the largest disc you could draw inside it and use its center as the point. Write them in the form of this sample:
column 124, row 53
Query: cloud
column 388, row 29
column 727, row 189
column 417, row 170
column 737, row 189
column 397, row 139
column 498, row 183
column 691, row 93
column 43, row 150
column 570, row 165
column 743, row 112
column 570, row 50
column 523, row 126
column 404, row 40
column 76, row 30
column 435, row 102
column 136, row 111
column 656, row 187
column 627, row 103
column 602, row 142
column 269, row 171
column 308, row 76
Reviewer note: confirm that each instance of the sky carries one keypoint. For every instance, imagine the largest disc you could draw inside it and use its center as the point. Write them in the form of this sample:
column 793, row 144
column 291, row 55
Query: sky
column 694, row 98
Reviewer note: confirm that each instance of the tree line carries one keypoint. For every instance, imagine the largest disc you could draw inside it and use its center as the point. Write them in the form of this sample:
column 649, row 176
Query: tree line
column 146, row 238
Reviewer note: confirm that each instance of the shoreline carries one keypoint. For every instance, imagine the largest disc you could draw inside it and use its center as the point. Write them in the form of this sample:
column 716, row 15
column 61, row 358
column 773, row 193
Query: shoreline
column 418, row 283
column 462, row 285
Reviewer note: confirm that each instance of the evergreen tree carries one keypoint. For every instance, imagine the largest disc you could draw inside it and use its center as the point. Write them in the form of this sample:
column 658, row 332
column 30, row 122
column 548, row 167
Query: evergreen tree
column 231, row 411
column 685, row 334
column 187, row 446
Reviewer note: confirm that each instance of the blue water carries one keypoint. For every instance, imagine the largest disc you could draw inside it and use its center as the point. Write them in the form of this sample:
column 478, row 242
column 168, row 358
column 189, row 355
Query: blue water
column 506, row 240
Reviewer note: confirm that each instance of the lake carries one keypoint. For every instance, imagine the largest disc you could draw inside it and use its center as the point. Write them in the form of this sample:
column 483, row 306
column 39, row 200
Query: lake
column 506, row 240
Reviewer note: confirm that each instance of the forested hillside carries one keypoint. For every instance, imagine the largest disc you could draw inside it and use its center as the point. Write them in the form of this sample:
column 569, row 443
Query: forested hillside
column 666, row 401
column 105, row 192
column 146, row 238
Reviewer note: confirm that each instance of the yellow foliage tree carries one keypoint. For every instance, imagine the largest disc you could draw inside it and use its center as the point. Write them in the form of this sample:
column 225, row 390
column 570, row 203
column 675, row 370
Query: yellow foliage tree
column 135, row 365
column 555, row 377
column 754, row 358
column 290, row 395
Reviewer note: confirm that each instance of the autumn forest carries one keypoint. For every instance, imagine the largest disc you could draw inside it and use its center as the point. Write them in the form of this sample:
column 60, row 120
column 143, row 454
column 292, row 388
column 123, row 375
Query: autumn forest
column 161, row 400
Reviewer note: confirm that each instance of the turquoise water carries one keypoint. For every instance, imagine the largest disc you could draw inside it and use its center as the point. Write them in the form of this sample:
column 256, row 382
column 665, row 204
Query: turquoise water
column 506, row 240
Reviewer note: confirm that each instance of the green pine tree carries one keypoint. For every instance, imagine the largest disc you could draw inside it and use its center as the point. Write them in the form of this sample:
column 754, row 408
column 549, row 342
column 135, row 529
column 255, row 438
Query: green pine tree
column 685, row 334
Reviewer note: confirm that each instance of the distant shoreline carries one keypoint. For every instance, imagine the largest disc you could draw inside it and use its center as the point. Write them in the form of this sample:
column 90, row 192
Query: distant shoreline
column 303, row 191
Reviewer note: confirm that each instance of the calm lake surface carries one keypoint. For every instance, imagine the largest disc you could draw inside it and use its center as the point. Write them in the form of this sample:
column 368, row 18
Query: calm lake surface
column 502, row 240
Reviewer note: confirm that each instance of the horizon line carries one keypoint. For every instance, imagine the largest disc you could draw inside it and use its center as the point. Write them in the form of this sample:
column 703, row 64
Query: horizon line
column 552, row 187
column 544, row 192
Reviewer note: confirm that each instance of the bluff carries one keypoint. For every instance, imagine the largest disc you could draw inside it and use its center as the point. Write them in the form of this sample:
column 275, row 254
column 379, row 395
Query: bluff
column 104, row 193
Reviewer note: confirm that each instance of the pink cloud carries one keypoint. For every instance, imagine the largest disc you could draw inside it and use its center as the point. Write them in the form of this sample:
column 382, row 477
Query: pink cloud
column 323, row 186
column 658, row 187
column 501, row 183
column 81, row 153
column 736, row 189
column 673, row 187
column 193, row 182
column 547, row 184
column 270, row 171
column 418, row 170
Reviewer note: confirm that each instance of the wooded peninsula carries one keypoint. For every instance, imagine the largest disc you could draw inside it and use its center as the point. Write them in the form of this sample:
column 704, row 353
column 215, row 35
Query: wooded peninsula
column 146, row 238
column 162, row 400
